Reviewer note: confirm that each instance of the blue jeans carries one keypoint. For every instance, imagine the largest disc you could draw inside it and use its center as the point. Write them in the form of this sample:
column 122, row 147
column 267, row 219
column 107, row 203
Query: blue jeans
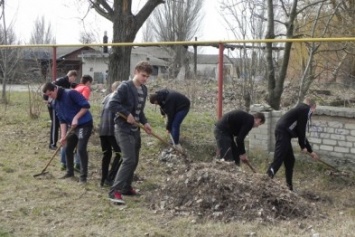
column 63, row 158
column 175, row 127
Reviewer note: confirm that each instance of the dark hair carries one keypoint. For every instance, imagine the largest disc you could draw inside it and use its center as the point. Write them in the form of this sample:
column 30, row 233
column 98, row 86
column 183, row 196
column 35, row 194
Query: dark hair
column 153, row 98
column 144, row 67
column 49, row 86
column 260, row 116
column 86, row 78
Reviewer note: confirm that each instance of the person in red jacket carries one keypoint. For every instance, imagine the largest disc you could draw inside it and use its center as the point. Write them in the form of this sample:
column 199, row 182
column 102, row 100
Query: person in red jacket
column 84, row 87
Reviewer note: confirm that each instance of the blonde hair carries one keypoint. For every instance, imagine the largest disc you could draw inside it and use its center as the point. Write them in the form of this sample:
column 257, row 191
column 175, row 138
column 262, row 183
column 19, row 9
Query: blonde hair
column 72, row 73
column 311, row 102
column 115, row 85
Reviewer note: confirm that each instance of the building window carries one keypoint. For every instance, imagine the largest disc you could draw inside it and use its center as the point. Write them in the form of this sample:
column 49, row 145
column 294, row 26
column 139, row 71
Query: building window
column 91, row 69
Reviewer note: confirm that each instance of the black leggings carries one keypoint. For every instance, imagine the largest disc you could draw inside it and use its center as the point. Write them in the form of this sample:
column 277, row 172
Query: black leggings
column 109, row 143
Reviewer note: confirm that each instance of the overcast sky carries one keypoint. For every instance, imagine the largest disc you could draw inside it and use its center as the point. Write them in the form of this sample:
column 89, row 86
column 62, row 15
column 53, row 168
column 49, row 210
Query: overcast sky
column 66, row 24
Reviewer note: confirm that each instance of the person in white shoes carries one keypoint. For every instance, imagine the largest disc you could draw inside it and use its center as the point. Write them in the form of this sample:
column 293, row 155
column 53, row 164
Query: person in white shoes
column 175, row 106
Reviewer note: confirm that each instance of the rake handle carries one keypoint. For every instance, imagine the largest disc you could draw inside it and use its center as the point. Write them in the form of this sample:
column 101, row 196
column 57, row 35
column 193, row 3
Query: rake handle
column 152, row 133
column 55, row 153
column 250, row 166
column 330, row 166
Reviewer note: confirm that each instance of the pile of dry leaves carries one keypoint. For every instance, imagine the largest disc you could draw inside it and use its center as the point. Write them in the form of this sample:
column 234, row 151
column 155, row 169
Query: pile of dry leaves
column 221, row 191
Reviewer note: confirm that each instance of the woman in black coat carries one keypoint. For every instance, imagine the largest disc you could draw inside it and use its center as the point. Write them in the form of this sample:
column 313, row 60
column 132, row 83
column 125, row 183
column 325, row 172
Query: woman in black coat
column 175, row 106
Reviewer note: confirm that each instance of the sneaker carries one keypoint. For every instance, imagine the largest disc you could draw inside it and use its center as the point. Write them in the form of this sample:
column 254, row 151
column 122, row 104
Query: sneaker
column 179, row 147
column 67, row 176
column 106, row 183
column 270, row 172
column 77, row 167
column 63, row 167
column 82, row 180
column 52, row 147
column 130, row 192
column 116, row 197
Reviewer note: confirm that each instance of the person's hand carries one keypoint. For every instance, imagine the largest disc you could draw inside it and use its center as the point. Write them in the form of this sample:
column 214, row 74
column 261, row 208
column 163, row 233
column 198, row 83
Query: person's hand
column 244, row 158
column 314, row 156
column 74, row 122
column 147, row 128
column 63, row 141
column 130, row 119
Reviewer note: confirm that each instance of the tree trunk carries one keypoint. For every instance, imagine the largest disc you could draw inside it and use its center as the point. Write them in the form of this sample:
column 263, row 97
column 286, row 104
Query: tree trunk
column 276, row 83
column 125, row 28
column 269, row 60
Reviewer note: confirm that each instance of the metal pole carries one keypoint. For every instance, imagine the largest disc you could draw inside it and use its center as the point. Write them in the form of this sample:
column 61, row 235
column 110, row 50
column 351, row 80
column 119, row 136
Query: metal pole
column 220, row 81
column 195, row 59
column 54, row 63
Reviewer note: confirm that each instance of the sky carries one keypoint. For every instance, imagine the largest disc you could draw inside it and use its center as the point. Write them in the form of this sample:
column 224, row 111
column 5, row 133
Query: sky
column 64, row 16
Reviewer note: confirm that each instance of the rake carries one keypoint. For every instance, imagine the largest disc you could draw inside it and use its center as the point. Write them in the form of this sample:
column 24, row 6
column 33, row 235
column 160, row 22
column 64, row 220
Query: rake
column 49, row 162
column 55, row 153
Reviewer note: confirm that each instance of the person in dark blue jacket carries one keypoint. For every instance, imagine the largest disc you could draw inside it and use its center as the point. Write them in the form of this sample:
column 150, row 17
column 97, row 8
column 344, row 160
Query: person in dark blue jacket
column 291, row 125
column 73, row 112
column 67, row 81
column 235, row 125
column 175, row 106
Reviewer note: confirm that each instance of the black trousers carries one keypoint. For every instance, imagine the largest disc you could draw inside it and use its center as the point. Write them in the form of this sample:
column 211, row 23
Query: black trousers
column 283, row 154
column 78, row 139
column 54, row 127
column 109, row 143
column 227, row 148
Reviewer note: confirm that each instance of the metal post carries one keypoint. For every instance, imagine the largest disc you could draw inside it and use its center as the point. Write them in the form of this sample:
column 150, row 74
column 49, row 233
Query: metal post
column 220, row 81
column 54, row 63
column 195, row 59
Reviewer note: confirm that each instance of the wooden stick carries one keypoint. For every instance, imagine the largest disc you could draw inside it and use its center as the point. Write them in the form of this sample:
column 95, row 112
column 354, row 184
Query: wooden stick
column 153, row 134
column 330, row 166
column 250, row 166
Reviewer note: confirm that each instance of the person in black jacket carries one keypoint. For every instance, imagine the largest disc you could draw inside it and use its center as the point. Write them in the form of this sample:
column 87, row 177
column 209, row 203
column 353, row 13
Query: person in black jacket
column 175, row 106
column 236, row 125
column 292, row 124
column 66, row 82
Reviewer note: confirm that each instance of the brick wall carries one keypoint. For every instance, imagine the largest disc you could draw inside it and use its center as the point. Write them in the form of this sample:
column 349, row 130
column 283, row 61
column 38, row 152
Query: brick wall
column 331, row 134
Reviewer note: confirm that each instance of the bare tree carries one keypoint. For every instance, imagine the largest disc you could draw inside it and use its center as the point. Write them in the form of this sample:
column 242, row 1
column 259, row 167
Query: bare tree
column 147, row 32
column 125, row 27
column 246, row 19
column 41, row 33
column 9, row 57
column 87, row 37
column 177, row 20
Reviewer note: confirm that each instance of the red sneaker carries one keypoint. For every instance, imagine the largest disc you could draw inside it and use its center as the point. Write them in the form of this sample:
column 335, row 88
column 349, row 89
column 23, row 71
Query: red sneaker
column 116, row 197
column 130, row 192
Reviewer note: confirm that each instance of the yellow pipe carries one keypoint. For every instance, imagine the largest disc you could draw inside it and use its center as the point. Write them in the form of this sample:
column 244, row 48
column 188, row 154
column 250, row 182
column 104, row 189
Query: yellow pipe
column 201, row 43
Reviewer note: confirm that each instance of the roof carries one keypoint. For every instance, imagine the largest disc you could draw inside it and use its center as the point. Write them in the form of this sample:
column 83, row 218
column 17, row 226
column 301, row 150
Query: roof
column 62, row 52
column 154, row 51
column 210, row 59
